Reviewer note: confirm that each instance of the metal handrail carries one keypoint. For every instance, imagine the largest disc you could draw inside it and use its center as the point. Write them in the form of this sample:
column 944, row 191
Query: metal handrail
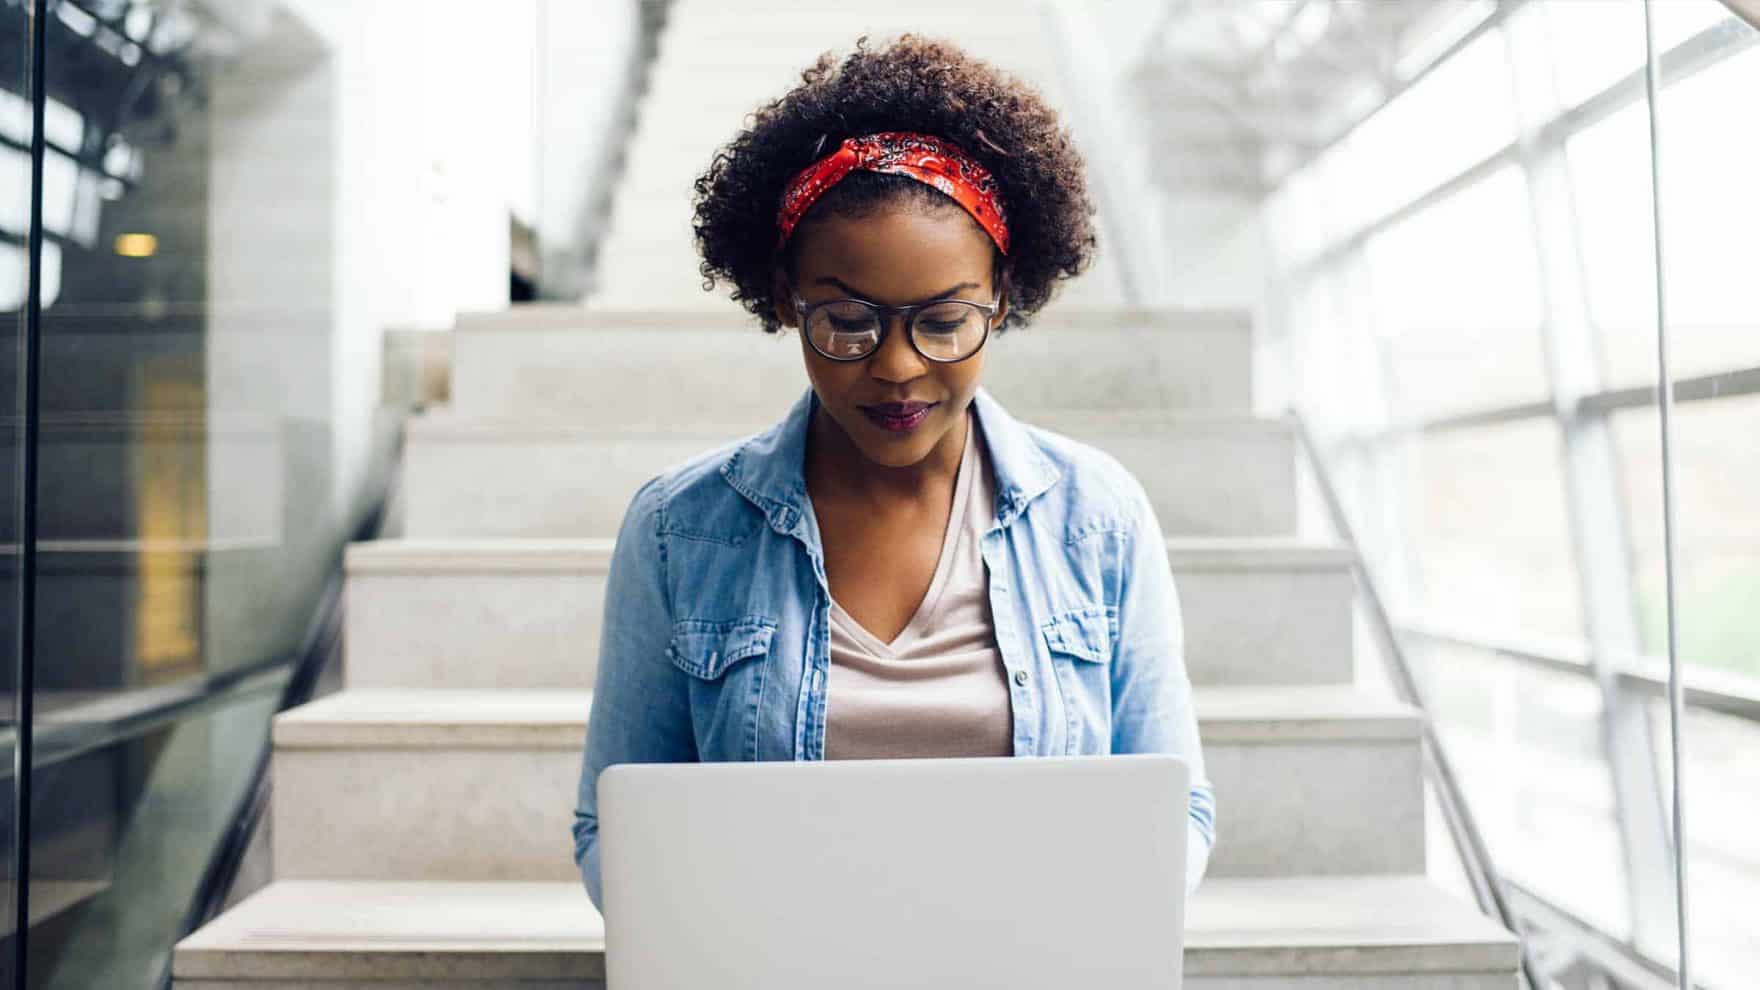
column 1735, row 695
column 1709, row 387
column 1475, row 856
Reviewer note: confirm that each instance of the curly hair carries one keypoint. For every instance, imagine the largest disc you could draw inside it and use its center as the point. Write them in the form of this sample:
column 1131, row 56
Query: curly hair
column 912, row 83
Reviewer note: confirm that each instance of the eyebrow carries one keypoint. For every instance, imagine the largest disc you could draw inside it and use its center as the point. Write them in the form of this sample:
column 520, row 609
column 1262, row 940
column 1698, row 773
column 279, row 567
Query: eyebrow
column 845, row 286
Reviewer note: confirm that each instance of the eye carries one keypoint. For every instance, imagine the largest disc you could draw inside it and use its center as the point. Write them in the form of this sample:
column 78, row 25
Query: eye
column 849, row 324
column 948, row 318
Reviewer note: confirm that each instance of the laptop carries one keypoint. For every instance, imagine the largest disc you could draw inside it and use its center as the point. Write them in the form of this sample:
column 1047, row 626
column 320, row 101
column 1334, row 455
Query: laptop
column 972, row 872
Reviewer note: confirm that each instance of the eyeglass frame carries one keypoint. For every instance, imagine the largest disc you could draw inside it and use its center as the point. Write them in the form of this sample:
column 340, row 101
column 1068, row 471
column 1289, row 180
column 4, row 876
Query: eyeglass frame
column 884, row 313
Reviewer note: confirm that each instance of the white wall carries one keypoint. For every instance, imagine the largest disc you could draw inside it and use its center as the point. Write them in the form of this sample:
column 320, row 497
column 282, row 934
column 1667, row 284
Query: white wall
column 440, row 119
column 428, row 138
column 1207, row 248
column 585, row 50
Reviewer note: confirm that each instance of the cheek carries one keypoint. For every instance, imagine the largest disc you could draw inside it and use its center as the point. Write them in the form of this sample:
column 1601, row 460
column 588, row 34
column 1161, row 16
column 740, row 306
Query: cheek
column 830, row 378
column 964, row 378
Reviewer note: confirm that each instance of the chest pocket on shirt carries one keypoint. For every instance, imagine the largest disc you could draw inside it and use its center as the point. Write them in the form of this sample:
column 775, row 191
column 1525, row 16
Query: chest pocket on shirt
column 706, row 649
column 1084, row 633
column 725, row 661
column 1080, row 643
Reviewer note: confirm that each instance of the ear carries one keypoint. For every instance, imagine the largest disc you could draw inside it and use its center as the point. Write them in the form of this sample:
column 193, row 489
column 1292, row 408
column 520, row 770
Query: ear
column 785, row 313
column 1003, row 281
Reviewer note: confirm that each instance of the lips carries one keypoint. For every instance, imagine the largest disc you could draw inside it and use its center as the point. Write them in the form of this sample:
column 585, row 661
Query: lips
column 898, row 410
column 898, row 417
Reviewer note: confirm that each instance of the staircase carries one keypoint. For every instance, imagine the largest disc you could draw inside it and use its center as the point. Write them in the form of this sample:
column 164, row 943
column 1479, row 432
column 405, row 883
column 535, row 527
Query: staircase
column 420, row 826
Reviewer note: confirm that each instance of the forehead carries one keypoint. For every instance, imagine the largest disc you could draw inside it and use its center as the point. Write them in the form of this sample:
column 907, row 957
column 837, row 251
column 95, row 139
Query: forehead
column 897, row 255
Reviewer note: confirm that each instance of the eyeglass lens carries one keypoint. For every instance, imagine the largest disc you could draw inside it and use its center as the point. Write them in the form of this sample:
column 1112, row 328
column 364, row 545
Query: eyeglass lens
column 945, row 331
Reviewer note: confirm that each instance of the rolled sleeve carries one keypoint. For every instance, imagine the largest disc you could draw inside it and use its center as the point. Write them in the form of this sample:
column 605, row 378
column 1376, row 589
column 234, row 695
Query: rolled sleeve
column 640, row 711
column 1153, row 709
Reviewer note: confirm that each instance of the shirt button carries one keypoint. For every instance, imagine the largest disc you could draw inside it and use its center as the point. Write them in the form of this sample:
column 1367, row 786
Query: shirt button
column 1020, row 677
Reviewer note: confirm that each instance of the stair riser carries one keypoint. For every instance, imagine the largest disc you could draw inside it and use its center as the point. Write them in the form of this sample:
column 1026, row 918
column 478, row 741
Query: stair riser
column 504, row 629
column 1234, row 480
column 1267, row 626
column 656, row 283
column 661, row 290
column 1203, row 481
column 608, row 377
column 531, row 485
column 1379, row 981
column 503, row 814
column 1317, row 807
column 484, row 630
column 424, row 814
column 1395, row 981
column 494, row 983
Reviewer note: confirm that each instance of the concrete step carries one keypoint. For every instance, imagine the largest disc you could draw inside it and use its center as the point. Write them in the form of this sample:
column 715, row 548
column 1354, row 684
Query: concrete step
column 631, row 278
column 464, row 614
column 1265, row 611
column 417, row 785
column 525, row 613
column 406, row 784
column 1059, row 318
column 1189, row 360
column 1283, row 933
column 1208, row 475
column 501, row 478
column 1312, row 780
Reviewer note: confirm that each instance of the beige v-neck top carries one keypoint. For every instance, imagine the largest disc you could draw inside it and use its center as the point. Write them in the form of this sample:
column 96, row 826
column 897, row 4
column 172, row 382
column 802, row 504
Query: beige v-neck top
column 939, row 689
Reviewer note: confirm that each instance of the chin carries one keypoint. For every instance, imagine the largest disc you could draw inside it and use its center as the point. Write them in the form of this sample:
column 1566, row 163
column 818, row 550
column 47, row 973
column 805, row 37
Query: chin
column 898, row 456
column 882, row 448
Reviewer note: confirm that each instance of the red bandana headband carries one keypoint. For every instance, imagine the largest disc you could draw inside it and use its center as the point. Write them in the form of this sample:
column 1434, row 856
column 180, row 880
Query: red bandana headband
column 923, row 157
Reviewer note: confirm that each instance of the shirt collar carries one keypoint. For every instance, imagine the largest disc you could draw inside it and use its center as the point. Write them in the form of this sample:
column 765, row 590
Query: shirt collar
column 769, row 467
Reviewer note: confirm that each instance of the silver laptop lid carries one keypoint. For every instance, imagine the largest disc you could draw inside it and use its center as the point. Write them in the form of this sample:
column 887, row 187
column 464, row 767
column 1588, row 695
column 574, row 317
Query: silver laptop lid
column 981, row 872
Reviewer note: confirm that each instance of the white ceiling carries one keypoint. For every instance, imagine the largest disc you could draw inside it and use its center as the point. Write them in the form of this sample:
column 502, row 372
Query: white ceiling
column 1240, row 92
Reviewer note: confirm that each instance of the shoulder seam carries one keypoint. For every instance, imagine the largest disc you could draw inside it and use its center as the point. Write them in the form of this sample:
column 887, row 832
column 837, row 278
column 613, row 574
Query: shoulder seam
column 664, row 487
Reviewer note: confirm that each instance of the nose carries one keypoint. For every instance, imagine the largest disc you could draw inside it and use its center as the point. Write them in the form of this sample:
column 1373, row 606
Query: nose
column 896, row 360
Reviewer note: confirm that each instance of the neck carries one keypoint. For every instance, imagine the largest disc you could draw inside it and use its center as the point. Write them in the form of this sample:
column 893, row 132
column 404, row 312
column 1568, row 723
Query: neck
column 836, row 466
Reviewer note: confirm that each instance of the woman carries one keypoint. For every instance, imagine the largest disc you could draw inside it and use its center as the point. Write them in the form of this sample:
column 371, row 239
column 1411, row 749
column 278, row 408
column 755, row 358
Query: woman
column 899, row 568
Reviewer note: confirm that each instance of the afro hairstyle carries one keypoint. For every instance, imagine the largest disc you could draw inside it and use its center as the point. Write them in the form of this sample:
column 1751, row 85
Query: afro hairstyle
column 912, row 83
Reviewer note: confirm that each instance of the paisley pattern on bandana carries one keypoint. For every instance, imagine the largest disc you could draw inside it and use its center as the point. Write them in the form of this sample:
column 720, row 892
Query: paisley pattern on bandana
column 923, row 157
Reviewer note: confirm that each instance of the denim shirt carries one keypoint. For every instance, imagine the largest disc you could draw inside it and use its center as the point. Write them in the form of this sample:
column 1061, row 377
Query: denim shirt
column 715, row 643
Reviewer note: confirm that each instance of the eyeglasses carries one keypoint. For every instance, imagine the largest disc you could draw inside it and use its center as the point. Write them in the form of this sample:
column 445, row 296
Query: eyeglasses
column 945, row 331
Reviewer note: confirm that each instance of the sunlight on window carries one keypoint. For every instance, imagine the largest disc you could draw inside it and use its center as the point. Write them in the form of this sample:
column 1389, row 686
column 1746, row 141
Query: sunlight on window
column 1525, row 744
column 1710, row 201
column 1596, row 42
column 1460, row 113
column 1457, row 297
column 1717, row 472
column 1491, row 531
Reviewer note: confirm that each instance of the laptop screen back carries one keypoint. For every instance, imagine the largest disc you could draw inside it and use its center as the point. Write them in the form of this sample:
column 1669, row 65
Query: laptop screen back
column 1004, row 872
